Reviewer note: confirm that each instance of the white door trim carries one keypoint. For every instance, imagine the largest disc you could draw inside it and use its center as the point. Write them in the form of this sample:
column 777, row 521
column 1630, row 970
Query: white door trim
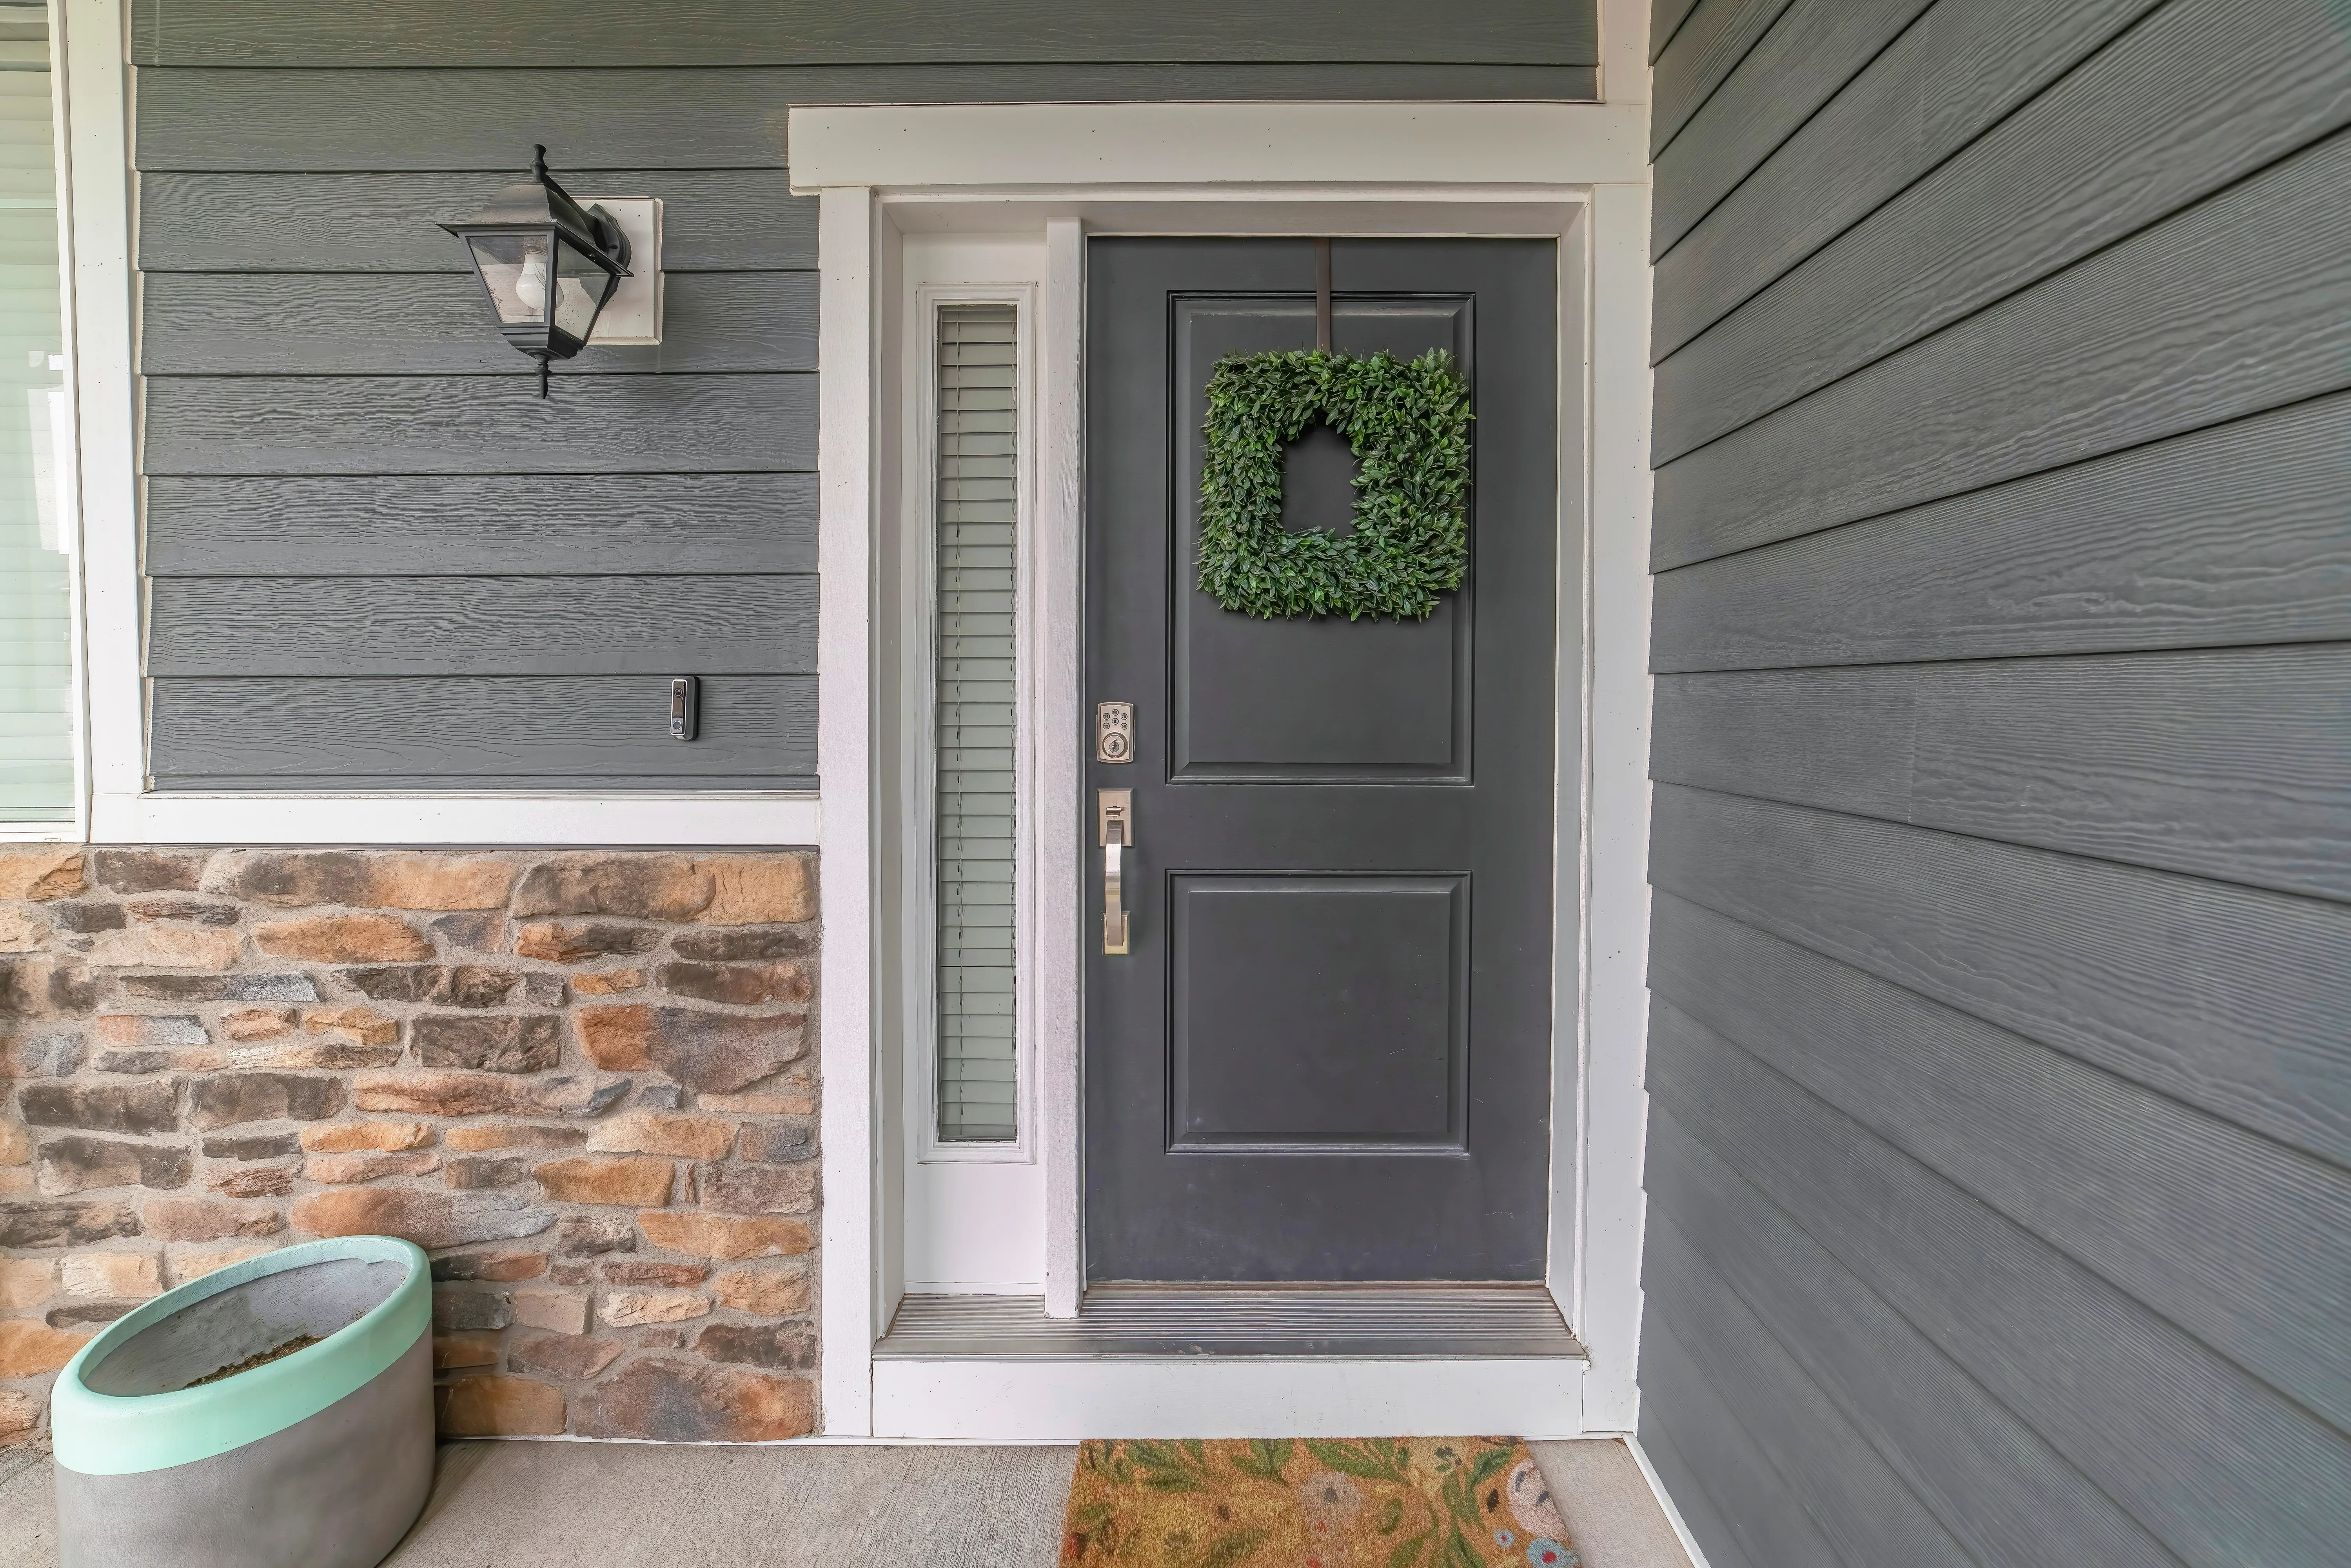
column 1145, row 177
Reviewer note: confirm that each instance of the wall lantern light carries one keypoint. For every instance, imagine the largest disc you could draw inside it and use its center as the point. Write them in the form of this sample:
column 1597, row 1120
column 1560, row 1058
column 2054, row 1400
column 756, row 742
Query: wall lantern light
column 548, row 263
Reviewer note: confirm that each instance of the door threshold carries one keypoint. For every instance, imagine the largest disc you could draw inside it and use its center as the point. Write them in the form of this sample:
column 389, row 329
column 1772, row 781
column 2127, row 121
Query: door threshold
column 1339, row 1323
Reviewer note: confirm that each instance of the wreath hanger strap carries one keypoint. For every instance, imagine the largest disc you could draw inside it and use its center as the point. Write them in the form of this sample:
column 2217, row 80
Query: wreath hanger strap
column 1321, row 296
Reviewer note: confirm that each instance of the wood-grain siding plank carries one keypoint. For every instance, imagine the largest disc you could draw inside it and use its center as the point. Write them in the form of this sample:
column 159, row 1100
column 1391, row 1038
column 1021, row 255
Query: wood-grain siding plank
column 2240, row 303
column 1665, row 19
column 692, row 117
column 263, row 323
column 1680, row 1482
column 724, row 220
column 261, row 626
column 2241, row 1242
column 485, row 525
column 814, row 32
column 1751, row 1501
column 757, row 731
column 1704, row 52
column 2233, row 764
column 1868, row 1511
column 1814, row 48
column 2004, row 1492
column 2112, row 148
column 2220, row 1466
column 2231, row 998
column 1957, row 71
column 480, row 424
column 2237, row 533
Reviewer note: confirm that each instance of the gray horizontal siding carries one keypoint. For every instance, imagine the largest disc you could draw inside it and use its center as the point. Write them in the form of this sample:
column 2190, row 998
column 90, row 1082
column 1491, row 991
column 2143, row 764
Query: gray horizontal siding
column 477, row 425
column 2239, row 303
column 1703, row 52
column 357, row 325
column 713, row 220
column 2207, row 762
column 376, row 556
column 480, row 524
column 818, row 32
column 2004, row 212
column 485, row 625
column 611, row 731
column 2238, row 533
column 1955, row 70
column 2002, row 1098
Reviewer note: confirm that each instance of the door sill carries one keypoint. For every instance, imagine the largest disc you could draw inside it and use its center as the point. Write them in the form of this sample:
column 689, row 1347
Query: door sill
column 1342, row 1323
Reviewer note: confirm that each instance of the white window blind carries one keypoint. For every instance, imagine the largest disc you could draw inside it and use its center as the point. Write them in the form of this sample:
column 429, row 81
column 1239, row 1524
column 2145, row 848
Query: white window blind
column 37, row 774
column 977, row 1067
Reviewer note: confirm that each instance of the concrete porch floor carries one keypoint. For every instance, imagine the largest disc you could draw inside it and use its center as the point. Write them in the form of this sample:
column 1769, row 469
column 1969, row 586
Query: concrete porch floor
column 559, row 1505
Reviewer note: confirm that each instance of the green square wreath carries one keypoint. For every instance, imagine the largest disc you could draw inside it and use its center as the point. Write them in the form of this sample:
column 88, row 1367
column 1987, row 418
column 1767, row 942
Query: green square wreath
column 1408, row 425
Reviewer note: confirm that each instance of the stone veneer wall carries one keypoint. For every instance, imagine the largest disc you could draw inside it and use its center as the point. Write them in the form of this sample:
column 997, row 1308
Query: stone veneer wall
column 581, row 1080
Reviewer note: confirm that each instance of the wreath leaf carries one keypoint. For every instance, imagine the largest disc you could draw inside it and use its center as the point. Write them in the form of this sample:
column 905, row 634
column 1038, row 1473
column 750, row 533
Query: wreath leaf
column 1407, row 422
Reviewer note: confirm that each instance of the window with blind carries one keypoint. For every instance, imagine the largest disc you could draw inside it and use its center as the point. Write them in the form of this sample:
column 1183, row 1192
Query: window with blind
column 37, row 770
column 977, row 1065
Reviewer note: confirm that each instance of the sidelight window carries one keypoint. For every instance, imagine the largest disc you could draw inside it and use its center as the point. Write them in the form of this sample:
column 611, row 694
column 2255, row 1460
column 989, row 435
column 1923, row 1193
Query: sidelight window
column 977, row 676
column 36, row 530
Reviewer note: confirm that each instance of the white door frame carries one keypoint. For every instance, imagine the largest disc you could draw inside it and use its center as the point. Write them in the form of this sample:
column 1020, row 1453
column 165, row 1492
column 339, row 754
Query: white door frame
column 1573, row 171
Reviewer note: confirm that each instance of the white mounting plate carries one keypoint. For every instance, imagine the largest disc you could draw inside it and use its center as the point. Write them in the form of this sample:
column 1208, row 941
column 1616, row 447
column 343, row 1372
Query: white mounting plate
column 632, row 316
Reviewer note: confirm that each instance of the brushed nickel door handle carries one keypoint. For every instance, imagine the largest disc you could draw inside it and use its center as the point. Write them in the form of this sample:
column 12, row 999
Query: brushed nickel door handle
column 1115, row 819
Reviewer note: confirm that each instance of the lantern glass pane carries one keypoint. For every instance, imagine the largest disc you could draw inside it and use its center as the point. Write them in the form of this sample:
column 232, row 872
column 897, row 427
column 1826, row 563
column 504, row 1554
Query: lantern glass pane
column 579, row 288
column 515, row 268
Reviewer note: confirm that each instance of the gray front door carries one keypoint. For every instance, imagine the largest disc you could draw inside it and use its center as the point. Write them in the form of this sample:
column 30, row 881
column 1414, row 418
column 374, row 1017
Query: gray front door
column 1326, row 1053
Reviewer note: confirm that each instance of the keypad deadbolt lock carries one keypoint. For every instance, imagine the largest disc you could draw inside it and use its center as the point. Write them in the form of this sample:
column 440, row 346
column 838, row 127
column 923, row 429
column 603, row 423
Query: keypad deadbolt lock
column 1113, row 732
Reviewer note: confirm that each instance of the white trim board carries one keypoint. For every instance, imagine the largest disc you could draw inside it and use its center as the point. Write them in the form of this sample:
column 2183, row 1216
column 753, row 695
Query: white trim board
column 985, row 1399
column 646, row 818
column 1598, row 211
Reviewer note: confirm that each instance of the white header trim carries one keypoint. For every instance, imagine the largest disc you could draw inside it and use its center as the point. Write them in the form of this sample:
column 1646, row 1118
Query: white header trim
column 640, row 819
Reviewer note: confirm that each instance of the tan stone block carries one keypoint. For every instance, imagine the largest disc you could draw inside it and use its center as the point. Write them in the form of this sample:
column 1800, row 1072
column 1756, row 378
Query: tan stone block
column 27, row 1282
column 737, row 985
column 252, row 1181
column 651, row 1133
column 112, row 1276
column 760, row 890
column 761, row 1103
column 196, row 1262
column 19, row 1415
column 496, row 1268
column 351, row 1138
column 679, row 1401
column 728, row 1236
column 487, row 1095
column 441, row 882
column 646, row 887
column 41, row 873
column 22, row 932
column 257, row 1023
column 363, row 1026
column 651, row 1271
column 462, row 1350
column 345, row 939
column 632, row 1183
column 202, row 1219
column 356, row 1168
column 491, row 1404
column 17, row 1182
column 573, row 942
column 624, row 1309
column 150, row 871
column 431, row 1219
column 615, row 1038
column 28, row 1349
column 769, row 1294
column 168, row 947
column 15, row 1143
column 562, row 1311
column 617, row 983
column 292, row 878
column 564, row 1355
column 514, row 1136
column 756, row 1189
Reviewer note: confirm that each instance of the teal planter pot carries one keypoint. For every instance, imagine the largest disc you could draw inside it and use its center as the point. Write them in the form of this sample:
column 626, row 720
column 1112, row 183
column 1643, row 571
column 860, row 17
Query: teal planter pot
column 320, row 1459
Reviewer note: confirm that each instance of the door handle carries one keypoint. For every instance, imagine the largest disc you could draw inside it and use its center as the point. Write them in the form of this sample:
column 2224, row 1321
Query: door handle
column 1114, row 820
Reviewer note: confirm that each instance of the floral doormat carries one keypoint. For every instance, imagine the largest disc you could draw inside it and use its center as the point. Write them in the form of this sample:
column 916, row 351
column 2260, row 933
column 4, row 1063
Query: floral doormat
column 1378, row 1502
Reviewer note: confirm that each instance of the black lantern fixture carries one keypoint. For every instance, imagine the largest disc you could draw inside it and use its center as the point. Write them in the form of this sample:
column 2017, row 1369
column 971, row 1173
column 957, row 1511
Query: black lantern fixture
column 548, row 263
